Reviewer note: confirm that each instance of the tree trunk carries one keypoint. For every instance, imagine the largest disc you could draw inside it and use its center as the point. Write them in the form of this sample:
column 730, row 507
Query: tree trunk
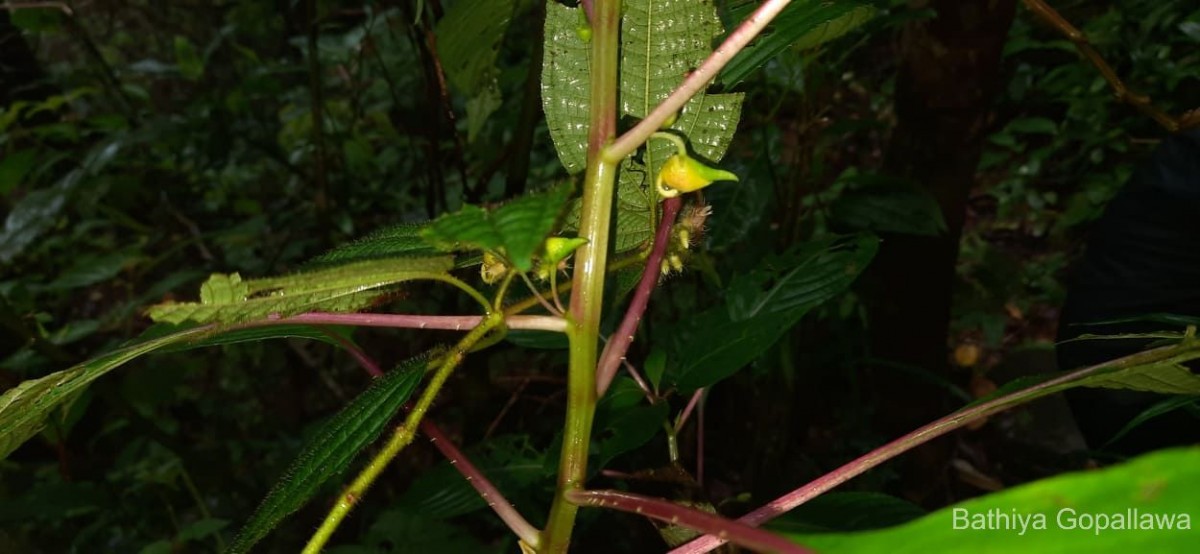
column 950, row 69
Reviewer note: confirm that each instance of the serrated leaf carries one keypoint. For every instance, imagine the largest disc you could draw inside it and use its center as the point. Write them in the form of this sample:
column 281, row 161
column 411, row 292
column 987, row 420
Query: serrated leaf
column 801, row 25
column 661, row 42
column 1165, row 377
column 1158, row 485
column 398, row 241
column 332, row 449
column 229, row 299
column 515, row 230
column 760, row 306
column 566, row 84
column 25, row 408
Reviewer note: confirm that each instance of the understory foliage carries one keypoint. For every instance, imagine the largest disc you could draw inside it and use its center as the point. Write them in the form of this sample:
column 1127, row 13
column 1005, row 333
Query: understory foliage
column 224, row 221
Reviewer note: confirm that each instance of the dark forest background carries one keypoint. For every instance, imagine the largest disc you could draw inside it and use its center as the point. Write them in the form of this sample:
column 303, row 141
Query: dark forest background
column 144, row 145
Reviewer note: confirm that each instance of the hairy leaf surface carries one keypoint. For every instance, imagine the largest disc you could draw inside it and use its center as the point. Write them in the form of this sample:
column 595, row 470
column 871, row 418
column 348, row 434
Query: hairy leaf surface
column 229, row 299
column 333, row 448
column 515, row 230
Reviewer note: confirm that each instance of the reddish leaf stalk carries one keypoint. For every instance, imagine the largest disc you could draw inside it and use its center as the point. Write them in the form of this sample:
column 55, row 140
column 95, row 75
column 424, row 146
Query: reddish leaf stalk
column 739, row 533
column 614, row 352
column 494, row 498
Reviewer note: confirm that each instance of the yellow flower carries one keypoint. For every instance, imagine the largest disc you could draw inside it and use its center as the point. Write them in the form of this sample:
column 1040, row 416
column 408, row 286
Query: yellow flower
column 681, row 174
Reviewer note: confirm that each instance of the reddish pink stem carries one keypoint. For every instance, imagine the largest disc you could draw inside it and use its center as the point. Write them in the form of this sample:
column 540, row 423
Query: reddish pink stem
column 494, row 498
column 618, row 344
column 728, row 529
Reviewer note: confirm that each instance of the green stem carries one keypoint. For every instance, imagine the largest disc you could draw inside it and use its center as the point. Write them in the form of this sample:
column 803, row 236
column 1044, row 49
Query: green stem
column 402, row 437
column 587, row 292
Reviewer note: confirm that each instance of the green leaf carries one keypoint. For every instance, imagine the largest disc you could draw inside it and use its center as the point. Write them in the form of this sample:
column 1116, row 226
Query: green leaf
column 1168, row 377
column 762, row 305
column 1160, row 486
column 801, row 25
column 190, row 65
column 515, row 230
column 399, row 241
column 1159, row 408
column 229, row 299
column 566, row 83
column 90, row 270
column 25, row 408
column 333, row 448
column 469, row 38
column 661, row 42
column 1032, row 125
column 622, row 428
column 882, row 204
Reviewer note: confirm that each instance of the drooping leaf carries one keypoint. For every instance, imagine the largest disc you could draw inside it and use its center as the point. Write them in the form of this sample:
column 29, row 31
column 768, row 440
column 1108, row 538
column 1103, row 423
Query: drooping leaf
column 399, row 241
column 802, row 25
column 25, row 408
column 469, row 38
column 760, row 306
column 333, row 448
column 515, row 230
column 1064, row 513
column 229, row 299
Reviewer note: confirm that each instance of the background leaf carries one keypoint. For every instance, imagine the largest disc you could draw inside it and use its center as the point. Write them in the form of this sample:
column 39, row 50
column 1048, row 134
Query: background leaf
column 801, row 25
column 333, row 448
column 469, row 38
column 762, row 305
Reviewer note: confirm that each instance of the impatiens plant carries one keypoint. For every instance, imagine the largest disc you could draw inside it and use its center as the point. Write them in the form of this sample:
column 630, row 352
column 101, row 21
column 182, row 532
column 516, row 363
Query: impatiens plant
column 625, row 91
